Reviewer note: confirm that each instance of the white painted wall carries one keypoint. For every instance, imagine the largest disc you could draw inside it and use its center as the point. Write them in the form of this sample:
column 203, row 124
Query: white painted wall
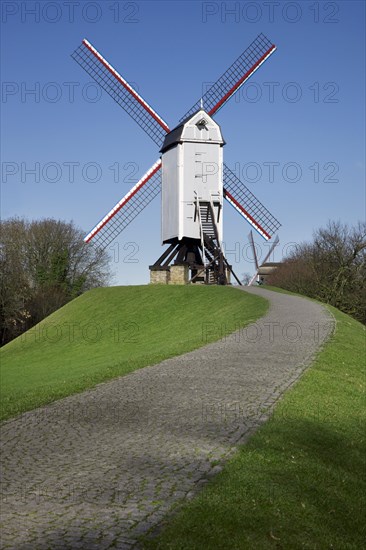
column 190, row 168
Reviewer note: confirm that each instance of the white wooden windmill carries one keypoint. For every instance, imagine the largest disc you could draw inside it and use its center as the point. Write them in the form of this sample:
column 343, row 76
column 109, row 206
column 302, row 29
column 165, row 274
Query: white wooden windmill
column 194, row 180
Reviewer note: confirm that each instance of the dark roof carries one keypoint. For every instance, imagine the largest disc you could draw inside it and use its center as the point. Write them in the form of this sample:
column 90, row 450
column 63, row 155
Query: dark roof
column 175, row 135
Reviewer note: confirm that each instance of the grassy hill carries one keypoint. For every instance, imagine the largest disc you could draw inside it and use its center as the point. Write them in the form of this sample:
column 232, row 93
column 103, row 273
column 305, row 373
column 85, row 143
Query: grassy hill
column 108, row 332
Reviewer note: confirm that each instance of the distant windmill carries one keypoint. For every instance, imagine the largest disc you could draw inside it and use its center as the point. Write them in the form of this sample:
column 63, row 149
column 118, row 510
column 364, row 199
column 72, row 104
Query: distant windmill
column 194, row 178
column 257, row 266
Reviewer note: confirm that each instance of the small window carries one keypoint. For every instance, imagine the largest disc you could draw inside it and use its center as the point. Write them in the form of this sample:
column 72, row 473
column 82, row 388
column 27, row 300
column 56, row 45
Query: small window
column 201, row 124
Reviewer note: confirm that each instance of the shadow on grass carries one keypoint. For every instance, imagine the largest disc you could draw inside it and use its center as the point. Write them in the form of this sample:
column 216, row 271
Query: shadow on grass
column 301, row 484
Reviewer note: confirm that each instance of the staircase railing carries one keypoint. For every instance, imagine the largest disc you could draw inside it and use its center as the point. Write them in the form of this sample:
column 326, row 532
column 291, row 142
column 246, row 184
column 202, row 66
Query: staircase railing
column 201, row 231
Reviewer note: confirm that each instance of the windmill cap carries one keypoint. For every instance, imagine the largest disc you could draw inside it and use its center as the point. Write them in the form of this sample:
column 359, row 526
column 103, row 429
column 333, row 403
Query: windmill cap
column 175, row 136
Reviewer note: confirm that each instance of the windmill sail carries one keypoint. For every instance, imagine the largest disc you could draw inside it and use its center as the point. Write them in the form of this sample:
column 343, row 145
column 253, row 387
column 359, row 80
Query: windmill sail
column 235, row 76
column 121, row 91
column 248, row 206
column 126, row 210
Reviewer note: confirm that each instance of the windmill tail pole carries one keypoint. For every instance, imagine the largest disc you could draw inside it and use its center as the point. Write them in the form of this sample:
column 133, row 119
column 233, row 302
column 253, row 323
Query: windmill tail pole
column 252, row 279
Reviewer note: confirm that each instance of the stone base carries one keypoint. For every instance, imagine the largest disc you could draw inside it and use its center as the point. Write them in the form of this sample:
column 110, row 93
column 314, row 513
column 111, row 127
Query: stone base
column 178, row 275
column 159, row 276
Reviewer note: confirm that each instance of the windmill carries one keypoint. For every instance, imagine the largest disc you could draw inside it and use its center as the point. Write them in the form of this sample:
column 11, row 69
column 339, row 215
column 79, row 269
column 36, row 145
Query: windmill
column 190, row 172
column 257, row 266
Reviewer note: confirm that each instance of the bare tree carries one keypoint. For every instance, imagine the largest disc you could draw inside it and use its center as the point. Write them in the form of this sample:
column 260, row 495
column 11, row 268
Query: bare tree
column 332, row 268
column 245, row 278
column 14, row 283
column 44, row 265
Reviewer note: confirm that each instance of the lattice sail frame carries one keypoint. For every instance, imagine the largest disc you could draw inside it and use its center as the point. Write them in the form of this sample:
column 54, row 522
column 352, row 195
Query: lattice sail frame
column 235, row 76
column 140, row 196
column 248, row 206
column 148, row 187
column 121, row 91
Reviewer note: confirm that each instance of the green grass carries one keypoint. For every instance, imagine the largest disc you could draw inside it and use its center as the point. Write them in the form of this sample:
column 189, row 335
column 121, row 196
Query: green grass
column 109, row 332
column 299, row 483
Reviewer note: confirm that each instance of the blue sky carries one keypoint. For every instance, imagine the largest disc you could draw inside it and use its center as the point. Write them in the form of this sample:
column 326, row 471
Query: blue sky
column 302, row 113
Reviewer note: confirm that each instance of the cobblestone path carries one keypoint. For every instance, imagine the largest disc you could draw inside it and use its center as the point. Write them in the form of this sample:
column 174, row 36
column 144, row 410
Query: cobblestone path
column 96, row 470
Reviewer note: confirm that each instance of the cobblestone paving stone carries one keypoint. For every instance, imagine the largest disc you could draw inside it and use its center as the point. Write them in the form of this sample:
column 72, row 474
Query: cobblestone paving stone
column 99, row 469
